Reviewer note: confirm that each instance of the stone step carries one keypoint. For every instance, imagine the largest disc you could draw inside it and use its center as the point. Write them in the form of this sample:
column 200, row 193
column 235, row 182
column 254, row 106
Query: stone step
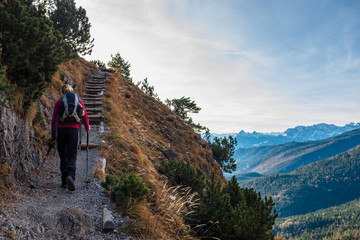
column 91, row 145
column 102, row 77
column 94, row 88
column 93, row 91
column 95, row 116
column 91, row 100
column 96, row 120
column 91, row 96
column 95, row 85
column 100, row 81
column 93, row 110
column 93, row 104
column 96, row 82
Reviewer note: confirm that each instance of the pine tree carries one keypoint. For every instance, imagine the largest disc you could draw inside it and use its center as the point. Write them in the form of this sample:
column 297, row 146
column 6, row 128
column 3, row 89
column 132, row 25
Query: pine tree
column 234, row 213
column 149, row 90
column 118, row 63
column 223, row 150
column 98, row 63
column 182, row 106
column 74, row 26
column 31, row 48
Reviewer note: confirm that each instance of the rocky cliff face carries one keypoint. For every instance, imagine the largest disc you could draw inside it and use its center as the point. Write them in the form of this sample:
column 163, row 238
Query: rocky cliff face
column 18, row 148
column 23, row 139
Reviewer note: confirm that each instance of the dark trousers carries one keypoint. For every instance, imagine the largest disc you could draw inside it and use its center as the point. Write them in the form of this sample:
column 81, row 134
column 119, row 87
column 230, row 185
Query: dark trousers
column 68, row 147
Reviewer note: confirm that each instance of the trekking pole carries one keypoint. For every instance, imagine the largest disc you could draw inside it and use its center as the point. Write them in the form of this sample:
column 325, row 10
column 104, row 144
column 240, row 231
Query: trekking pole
column 80, row 137
column 56, row 134
column 87, row 157
column 32, row 186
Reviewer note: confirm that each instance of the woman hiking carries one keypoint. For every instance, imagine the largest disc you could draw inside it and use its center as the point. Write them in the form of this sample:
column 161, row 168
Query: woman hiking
column 69, row 113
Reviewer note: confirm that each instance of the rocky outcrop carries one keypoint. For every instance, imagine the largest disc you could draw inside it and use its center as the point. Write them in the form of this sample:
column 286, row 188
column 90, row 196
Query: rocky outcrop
column 22, row 143
column 18, row 148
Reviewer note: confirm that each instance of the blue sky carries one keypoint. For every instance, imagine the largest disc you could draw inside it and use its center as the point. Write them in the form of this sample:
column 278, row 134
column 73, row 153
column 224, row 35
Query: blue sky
column 250, row 65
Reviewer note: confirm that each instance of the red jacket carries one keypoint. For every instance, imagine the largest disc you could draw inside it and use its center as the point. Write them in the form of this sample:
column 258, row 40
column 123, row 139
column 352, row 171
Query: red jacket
column 84, row 119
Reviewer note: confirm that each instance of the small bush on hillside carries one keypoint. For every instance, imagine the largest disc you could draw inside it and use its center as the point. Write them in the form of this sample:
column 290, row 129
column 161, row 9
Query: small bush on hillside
column 126, row 190
column 118, row 63
column 39, row 116
column 182, row 106
column 5, row 88
column 230, row 212
column 98, row 63
column 238, row 213
column 181, row 173
column 147, row 89
column 223, row 151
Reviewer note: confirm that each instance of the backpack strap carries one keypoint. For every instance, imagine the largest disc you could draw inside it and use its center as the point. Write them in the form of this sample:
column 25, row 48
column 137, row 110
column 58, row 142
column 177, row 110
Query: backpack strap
column 66, row 108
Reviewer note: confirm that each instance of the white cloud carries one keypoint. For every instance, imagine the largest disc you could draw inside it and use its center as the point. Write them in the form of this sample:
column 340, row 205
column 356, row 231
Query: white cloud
column 236, row 86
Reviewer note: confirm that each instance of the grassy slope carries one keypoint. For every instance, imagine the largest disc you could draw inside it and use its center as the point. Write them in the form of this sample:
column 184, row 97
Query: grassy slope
column 144, row 132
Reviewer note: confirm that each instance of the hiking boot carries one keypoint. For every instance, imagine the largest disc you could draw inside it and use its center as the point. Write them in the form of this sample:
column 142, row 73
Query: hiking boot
column 70, row 183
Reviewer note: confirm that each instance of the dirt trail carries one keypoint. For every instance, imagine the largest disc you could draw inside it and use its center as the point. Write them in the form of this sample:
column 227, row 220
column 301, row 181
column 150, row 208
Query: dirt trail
column 50, row 212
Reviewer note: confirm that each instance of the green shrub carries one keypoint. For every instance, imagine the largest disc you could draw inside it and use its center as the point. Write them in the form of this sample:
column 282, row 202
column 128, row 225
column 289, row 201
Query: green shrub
column 125, row 190
column 119, row 64
column 181, row 173
column 5, row 89
column 39, row 116
column 98, row 63
column 31, row 48
column 238, row 213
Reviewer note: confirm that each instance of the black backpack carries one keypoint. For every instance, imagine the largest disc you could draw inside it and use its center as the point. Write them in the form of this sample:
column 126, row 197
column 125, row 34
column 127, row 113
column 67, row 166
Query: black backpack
column 70, row 110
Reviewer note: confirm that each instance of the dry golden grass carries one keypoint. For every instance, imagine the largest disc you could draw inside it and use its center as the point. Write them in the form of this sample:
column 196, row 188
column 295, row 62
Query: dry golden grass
column 4, row 177
column 144, row 125
column 5, row 185
column 99, row 174
column 10, row 234
column 163, row 219
column 143, row 132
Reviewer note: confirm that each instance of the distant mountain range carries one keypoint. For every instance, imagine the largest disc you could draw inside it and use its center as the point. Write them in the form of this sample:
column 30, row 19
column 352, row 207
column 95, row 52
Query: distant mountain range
column 319, row 185
column 289, row 156
column 297, row 134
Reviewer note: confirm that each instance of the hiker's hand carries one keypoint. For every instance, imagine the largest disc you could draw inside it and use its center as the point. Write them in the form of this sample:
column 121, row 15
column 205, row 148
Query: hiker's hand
column 89, row 128
column 51, row 141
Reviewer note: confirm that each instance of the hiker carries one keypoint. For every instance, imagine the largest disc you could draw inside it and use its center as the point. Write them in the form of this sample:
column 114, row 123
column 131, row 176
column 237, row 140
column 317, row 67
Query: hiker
column 66, row 128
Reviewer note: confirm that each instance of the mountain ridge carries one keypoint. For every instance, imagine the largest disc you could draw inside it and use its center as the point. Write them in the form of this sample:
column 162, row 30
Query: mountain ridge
column 321, row 184
column 289, row 156
column 300, row 133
